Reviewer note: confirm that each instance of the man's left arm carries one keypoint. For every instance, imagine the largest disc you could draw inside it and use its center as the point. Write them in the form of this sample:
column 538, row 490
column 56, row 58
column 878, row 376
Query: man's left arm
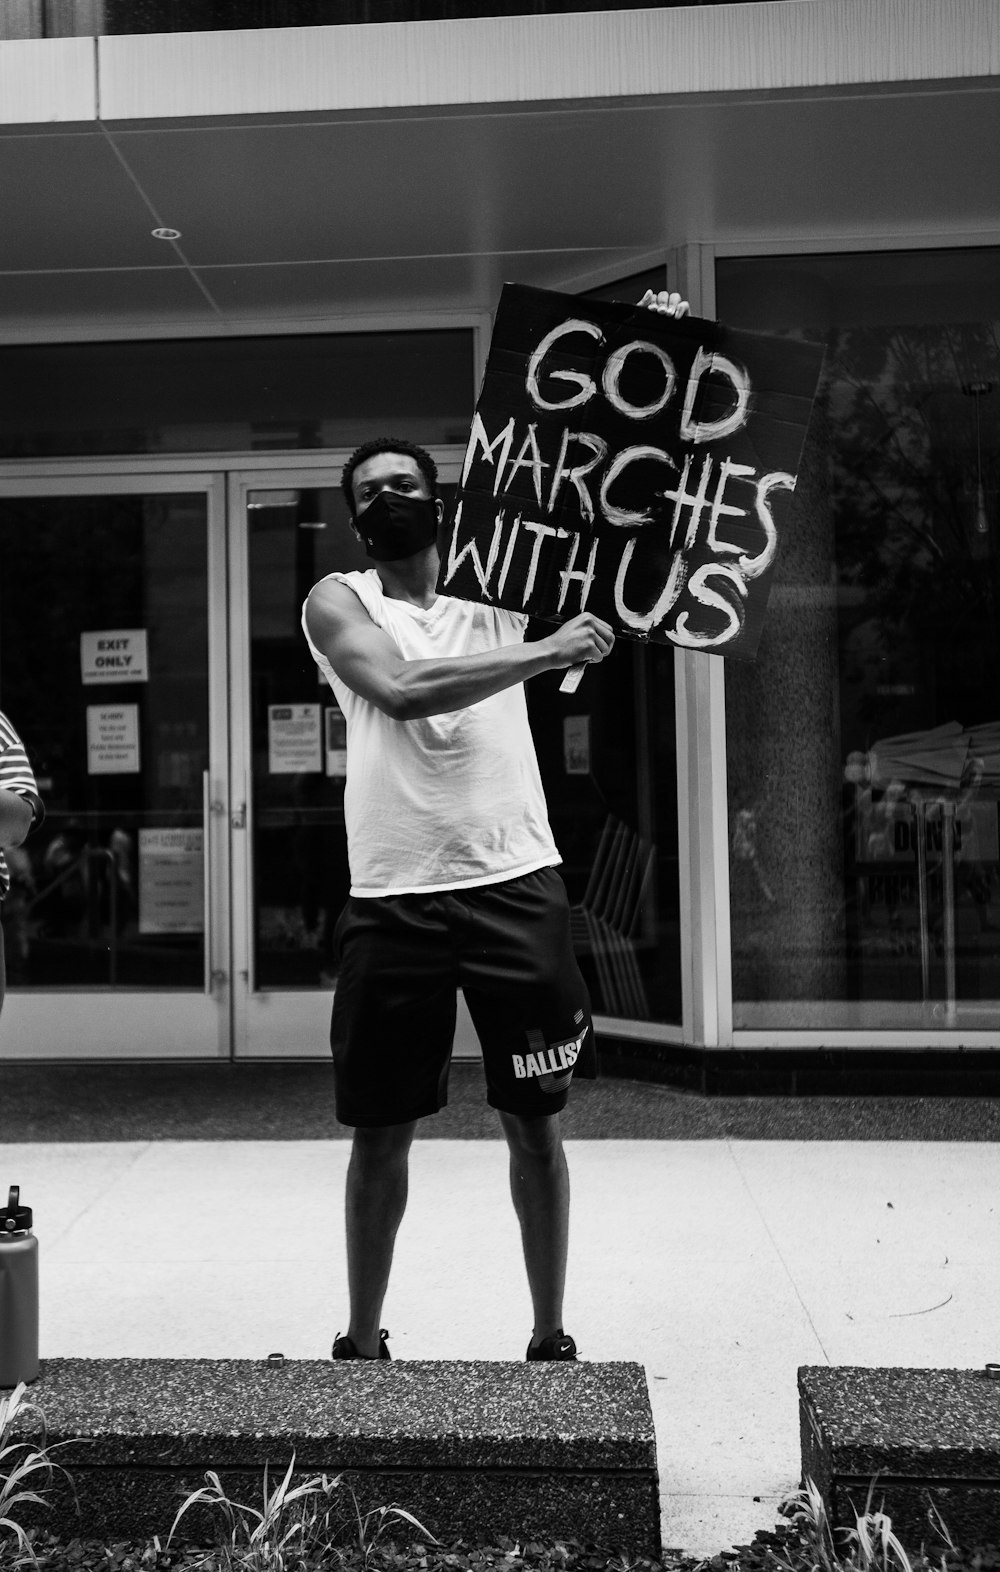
column 16, row 818
column 20, row 805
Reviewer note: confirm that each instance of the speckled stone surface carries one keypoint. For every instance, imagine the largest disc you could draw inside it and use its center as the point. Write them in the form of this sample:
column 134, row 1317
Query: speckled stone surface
column 923, row 1435
column 472, row 1448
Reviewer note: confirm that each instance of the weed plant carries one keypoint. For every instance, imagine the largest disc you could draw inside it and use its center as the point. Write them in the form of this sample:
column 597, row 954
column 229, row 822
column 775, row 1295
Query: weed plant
column 25, row 1472
column 297, row 1528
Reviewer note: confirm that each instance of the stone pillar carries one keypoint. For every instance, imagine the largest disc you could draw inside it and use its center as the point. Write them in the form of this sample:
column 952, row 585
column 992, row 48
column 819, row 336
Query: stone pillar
column 785, row 767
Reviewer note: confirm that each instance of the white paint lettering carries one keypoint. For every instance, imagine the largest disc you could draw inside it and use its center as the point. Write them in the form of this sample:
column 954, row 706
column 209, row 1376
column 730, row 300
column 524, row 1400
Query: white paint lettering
column 613, row 369
column 533, row 461
column 644, row 622
column 716, row 601
column 726, row 425
column 627, row 517
column 478, row 436
column 471, row 550
column 599, row 448
column 539, row 531
column 753, row 567
column 586, row 387
column 728, row 471
column 585, row 576
column 508, row 556
column 682, row 498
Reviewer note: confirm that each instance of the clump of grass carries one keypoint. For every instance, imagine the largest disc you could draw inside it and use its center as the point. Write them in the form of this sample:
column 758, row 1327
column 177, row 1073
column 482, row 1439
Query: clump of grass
column 297, row 1528
column 811, row 1544
column 26, row 1470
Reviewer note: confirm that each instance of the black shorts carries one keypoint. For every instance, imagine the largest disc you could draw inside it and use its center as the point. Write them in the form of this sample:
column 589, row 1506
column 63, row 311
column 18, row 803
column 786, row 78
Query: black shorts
column 402, row 958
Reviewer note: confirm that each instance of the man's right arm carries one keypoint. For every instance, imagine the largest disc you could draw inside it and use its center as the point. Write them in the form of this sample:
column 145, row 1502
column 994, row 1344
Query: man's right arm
column 367, row 660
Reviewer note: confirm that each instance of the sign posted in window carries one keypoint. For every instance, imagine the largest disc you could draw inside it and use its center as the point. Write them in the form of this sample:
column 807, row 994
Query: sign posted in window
column 631, row 465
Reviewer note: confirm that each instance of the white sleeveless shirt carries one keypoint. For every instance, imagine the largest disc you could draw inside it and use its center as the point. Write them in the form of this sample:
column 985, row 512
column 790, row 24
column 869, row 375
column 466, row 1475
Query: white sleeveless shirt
column 447, row 801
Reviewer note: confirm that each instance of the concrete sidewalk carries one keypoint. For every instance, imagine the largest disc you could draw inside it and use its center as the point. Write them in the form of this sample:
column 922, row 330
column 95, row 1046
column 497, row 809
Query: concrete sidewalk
column 721, row 1265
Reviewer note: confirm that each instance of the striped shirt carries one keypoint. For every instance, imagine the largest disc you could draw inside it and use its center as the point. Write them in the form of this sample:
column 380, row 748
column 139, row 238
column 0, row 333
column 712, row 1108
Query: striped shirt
column 16, row 776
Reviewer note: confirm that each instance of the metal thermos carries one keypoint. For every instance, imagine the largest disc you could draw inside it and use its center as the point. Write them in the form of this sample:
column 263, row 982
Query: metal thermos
column 18, row 1293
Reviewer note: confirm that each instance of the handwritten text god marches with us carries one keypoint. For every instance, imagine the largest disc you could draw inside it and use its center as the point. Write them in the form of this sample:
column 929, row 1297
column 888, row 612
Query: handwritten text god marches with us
column 699, row 499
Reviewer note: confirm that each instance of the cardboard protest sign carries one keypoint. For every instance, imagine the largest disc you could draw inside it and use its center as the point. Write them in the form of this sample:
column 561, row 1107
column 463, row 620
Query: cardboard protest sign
column 631, row 465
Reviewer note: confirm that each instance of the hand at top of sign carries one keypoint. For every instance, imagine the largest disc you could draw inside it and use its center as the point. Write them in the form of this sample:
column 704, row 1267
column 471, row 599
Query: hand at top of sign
column 668, row 303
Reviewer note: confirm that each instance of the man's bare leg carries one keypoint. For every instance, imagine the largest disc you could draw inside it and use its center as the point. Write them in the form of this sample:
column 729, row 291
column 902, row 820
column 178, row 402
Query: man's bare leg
column 377, row 1184
column 539, row 1187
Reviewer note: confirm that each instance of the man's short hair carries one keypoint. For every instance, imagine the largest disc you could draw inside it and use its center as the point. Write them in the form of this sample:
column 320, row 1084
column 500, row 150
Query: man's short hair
column 368, row 450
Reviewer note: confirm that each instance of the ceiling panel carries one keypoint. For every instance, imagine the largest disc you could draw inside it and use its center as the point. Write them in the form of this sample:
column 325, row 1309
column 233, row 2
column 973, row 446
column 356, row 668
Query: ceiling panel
column 875, row 165
column 394, row 214
column 405, row 187
column 101, row 302
column 69, row 203
column 320, row 289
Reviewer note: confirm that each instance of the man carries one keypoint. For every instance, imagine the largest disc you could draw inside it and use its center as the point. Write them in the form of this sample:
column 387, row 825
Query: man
column 20, row 811
column 453, row 881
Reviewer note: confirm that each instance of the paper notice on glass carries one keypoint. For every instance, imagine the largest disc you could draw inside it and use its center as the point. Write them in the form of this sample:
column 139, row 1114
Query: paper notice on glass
column 336, row 742
column 114, row 655
column 112, row 739
column 576, row 744
column 293, row 739
column 171, row 881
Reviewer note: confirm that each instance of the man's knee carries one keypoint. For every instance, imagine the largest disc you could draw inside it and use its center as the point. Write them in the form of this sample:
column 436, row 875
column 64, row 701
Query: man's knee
column 538, row 1136
column 383, row 1145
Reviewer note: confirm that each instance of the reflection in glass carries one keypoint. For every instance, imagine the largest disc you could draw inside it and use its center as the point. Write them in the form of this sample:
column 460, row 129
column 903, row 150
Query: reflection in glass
column 103, row 660
column 864, row 744
column 607, row 757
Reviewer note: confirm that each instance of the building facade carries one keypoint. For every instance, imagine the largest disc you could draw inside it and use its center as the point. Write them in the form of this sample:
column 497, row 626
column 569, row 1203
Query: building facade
column 228, row 255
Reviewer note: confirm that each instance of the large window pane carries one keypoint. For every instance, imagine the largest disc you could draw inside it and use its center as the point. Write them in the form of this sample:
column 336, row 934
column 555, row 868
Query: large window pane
column 864, row 743
column 608, row 759
column 104, row 672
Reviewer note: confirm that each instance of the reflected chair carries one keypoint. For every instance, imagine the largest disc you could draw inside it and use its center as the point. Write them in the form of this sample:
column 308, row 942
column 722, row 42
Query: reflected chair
column 604, row 923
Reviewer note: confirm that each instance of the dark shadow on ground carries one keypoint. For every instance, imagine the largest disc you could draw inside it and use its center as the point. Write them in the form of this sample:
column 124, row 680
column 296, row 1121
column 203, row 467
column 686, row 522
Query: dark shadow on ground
column 294, row 1102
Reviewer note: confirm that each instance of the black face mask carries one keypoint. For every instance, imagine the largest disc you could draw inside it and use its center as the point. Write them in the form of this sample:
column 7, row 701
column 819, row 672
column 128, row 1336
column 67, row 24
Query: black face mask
column 393, row 527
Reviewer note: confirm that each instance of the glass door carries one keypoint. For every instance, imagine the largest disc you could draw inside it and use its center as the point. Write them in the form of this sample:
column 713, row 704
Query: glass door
column 289, row 848
column 113, row 670
column 607, row 759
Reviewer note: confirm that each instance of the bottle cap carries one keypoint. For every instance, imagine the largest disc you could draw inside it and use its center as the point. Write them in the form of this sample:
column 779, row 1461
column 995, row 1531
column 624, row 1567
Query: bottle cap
column 14, row 1218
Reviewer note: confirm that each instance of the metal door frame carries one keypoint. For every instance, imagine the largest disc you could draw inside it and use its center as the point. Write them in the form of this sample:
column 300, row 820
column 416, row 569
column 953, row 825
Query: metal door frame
column 147, row 1024
column 285, row 1024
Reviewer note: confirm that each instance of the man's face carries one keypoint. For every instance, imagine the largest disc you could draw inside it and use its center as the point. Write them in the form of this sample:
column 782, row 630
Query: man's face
column 397, row 472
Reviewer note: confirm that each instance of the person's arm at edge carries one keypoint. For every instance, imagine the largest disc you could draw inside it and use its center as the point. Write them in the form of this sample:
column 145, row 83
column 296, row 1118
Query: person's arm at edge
column 366, row 658
column 16, row 817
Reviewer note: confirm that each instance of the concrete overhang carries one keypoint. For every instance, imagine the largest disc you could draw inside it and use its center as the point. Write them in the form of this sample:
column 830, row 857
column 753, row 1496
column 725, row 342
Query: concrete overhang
column 326, row 175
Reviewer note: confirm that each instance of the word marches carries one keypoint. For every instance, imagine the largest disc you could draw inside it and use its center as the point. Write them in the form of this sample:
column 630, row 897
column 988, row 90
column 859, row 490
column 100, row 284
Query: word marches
column 699, row 509
column 614, row 466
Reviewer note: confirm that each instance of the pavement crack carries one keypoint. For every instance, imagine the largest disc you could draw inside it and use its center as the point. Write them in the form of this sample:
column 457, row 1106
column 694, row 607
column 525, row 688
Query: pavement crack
column 778, row 1251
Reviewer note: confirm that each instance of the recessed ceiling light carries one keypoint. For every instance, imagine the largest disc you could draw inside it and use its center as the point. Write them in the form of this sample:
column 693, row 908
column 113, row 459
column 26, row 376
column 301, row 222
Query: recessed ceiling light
column 166, row 234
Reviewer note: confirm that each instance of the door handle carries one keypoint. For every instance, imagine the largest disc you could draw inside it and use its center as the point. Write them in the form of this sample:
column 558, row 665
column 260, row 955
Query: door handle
column 211, row 808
